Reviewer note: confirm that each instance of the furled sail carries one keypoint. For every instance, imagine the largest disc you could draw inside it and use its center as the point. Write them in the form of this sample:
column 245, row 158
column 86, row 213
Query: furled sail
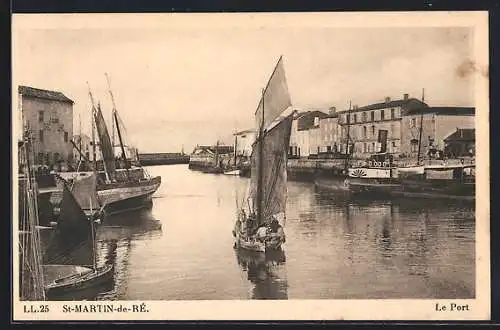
column 275, row 98
column 105, row 142
column 72, row 240
column 275, row 144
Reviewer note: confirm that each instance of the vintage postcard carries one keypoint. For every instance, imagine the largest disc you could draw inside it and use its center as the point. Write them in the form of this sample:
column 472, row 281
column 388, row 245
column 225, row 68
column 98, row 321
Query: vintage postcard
column 251, row 166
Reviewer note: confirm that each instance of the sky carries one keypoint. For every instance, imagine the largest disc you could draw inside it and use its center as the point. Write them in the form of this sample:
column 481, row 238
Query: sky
column 177, row 86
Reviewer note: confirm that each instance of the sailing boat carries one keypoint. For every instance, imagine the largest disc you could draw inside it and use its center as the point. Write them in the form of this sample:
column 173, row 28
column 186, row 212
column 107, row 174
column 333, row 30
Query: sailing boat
column 216, row 168
column 30, row 251
column 260, row 230
column 118, row 189
column 73, row 247
column 233, row 169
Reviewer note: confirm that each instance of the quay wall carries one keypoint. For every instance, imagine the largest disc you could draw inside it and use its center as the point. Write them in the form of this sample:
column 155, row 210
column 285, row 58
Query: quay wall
column 151, row 159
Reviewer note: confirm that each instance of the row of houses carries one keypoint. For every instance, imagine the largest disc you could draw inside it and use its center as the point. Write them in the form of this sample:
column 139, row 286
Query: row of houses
column 391, row 126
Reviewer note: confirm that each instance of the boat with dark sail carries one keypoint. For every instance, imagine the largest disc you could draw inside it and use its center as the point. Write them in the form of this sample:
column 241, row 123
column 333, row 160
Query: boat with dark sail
column 261, row 229
column 121, row 187
column 70, row 256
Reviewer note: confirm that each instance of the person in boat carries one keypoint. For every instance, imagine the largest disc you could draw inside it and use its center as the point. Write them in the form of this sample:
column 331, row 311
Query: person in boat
column 276, row 232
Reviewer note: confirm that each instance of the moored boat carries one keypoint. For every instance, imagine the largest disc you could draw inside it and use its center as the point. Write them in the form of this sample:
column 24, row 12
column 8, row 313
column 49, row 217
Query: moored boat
column 73, row 243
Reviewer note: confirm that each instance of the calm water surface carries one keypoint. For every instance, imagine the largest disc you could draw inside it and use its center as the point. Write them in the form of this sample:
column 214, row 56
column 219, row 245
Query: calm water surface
column 336, row 249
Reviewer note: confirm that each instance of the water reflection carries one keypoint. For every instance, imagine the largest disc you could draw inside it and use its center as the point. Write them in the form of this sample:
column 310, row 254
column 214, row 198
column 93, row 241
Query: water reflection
column 264, row 272
column 114, row 243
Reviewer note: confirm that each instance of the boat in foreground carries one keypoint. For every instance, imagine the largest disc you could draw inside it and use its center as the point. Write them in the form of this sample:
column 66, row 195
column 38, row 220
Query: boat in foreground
column 261, row 230
column 73, row 243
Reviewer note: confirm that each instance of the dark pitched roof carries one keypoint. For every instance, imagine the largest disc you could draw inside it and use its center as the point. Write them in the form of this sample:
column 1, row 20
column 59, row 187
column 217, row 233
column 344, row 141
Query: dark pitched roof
column 462, row 134
column 305, row 121
column 406, row 104
column 457, row 111
column 43, row 94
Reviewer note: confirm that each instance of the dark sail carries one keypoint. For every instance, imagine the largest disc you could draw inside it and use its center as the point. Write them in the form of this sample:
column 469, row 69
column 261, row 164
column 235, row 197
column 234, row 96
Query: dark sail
column 105, row 142
column 274, row 159
column 72, row 240
column 85, row 192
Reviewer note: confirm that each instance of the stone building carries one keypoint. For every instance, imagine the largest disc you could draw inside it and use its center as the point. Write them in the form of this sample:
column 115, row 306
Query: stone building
column 365, row 125
column 437, row 124
column 48, row 115
column 329, row 132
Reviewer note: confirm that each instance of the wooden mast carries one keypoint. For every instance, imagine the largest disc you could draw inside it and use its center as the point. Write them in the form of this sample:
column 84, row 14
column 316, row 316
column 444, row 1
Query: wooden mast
column 348, row 117
column 121, row 145
column 113, row 112
column 420, row 131
column 260, row 163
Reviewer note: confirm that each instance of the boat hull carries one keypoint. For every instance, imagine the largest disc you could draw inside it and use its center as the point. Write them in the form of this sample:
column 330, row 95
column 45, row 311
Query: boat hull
column 79, row 284
column 130, row 197
column 232, row 172
column 337, row 185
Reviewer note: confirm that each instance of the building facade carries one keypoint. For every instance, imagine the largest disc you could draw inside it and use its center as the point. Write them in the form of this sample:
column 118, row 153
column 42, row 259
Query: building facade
column 244, row 142
column 368, row 127
column 305, row 136
column 437, row 124
column 48, row 115
column 329, row 133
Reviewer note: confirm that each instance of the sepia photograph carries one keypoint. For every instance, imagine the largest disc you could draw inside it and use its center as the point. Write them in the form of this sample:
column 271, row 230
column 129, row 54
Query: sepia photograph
column 251, row 166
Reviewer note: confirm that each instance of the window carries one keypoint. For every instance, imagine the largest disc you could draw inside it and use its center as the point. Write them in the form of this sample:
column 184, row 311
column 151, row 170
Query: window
column 363, row 116
column 364, row 132
column 348, row 118
column 355, row 118
column 364, row 147
column 328, row 149
column 382, row 114
column 394, row 144
column 40, row 116
column 41, row 135
column 373, row 131
column 413, row 122
column 373, row 146
column 40, row 159
column 65, row 136
column 393, row 116
column 291, row 151
column 372, row 116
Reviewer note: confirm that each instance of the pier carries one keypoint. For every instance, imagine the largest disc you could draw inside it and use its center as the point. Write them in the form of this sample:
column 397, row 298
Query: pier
column 163, row 158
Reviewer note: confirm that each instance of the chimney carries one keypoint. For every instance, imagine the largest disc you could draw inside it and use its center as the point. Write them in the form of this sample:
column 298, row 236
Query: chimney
column 405, row 97
column 387, row 99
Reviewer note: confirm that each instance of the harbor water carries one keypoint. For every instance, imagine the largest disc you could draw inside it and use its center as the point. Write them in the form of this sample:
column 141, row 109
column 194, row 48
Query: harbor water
column 182, row 248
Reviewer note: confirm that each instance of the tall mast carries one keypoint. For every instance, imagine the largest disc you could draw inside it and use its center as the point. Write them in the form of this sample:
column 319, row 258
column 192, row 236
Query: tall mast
column 346, row 165
column 217, row 154
column 112, row 113
column 93, row 129
column 421, row 127
column 94, row 245
column 235, row 146
column 121, row 144
column 80, row 124
column 260, row 163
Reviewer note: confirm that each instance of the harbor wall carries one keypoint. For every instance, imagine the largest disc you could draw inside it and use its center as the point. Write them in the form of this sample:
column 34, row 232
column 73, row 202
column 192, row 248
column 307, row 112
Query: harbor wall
column 151, row 159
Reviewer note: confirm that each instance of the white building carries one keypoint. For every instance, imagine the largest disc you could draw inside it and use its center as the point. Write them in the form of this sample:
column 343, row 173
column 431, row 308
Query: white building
column 244, row 140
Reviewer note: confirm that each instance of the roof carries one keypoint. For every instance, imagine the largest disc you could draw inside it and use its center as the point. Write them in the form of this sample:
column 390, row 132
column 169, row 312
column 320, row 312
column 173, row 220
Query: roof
column 305, row 120
column 451, row 111
column 43, row 94
column 462, row 134
column 407, row 104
